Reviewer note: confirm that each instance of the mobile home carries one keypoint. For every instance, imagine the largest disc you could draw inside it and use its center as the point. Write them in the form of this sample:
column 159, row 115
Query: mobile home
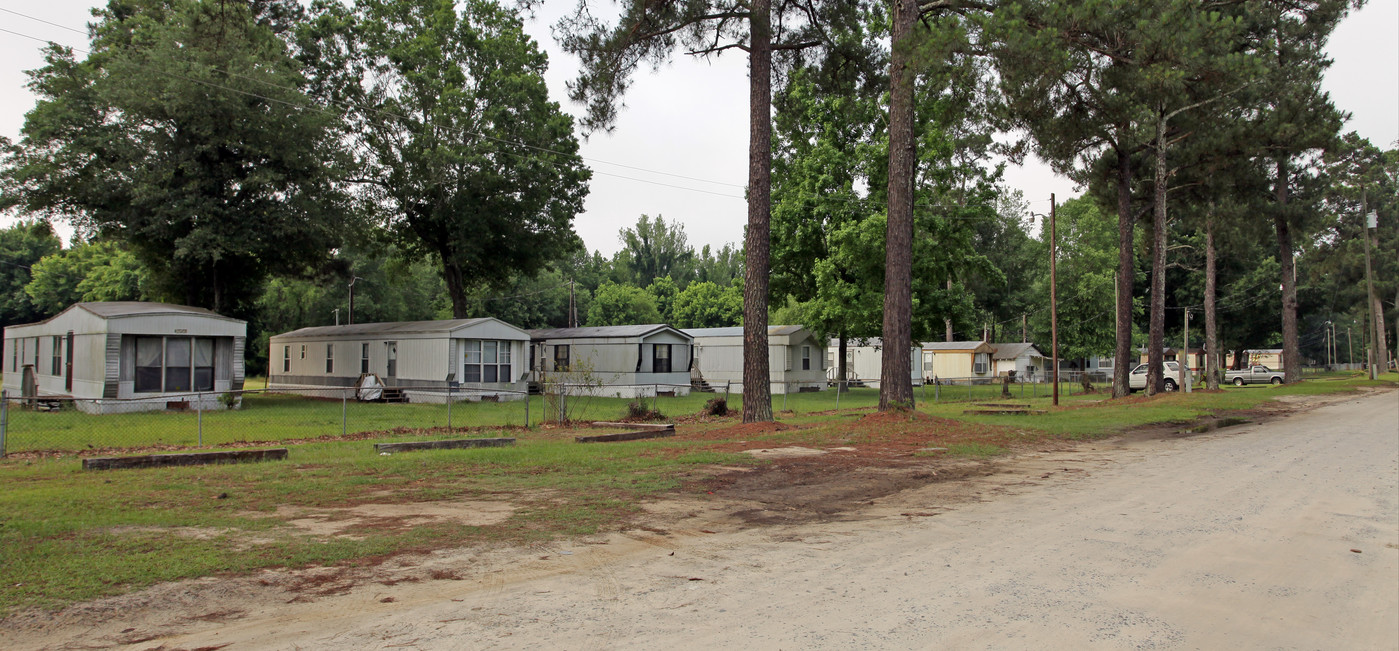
column 127, row 356
column 428, row 361
column 796, row 358
column 621, row 361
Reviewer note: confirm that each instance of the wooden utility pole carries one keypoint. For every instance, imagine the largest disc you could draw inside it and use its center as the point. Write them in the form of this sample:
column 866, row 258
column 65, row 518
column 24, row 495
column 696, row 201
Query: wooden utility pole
column 1053, row 307
column 1023, row 337
column 1370, row 291
column 1184, row 357
column 1350, row 348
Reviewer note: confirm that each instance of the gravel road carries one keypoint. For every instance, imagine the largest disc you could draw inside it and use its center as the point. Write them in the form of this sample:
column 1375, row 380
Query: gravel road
column 1275, row 536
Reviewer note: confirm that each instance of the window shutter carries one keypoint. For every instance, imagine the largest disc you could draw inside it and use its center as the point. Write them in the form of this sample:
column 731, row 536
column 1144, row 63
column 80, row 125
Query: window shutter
column 789, row 358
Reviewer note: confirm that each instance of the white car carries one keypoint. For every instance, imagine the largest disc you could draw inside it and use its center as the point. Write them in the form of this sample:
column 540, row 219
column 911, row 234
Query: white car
column 1137, row 380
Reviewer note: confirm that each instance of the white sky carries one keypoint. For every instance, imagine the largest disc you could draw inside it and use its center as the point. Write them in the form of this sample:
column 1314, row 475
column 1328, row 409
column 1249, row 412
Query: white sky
column 690, row 120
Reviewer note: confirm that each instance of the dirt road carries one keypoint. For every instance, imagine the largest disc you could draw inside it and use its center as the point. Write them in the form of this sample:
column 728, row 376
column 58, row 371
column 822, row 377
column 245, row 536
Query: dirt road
column 1276, row 536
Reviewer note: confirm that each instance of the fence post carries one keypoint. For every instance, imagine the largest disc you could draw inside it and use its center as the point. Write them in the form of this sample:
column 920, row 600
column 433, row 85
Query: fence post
column 449, row 407
column 4, row 418
column 541, row 393
column 838, row 383
column 656, row 398
column 344, row 410
column 199, row 411
column 937, row 392
column 785, row 389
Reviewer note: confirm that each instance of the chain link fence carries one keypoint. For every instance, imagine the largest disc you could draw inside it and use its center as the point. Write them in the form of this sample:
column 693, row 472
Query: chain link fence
column 253, row 417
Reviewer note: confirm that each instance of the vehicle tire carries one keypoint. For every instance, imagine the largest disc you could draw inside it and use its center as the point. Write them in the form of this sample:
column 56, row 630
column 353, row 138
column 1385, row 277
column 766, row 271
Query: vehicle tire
column 1277, row 380
column 1170, row 385
column 1238, row 381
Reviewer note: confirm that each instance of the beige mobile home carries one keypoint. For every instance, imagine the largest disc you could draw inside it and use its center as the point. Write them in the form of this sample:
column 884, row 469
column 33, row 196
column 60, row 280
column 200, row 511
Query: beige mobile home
column 474, row 358
column 864, row 362
column 796, row 358
column 622, row 361
column 957, row 360
column 127, row 356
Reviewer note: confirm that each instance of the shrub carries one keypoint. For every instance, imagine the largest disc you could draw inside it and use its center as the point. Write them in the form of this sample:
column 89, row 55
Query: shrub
column 716, row 407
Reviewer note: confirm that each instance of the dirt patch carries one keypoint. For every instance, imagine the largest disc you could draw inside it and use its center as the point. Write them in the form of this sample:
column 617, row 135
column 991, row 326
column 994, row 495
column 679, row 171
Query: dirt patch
column 741, row 430
column 352, row 522
column 787, row 452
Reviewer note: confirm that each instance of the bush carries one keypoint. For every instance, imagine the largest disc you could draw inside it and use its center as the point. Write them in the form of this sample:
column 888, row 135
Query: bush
column 637, row 410
column 716, row 407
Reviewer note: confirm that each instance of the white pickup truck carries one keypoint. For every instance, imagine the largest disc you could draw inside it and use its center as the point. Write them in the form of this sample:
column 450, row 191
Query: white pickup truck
column 1257, row 374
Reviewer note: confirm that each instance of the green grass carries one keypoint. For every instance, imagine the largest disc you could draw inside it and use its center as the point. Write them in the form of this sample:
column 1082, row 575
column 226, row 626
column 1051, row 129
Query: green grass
column 67, row 535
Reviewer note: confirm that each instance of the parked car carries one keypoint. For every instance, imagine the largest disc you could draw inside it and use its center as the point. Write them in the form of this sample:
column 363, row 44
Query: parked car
column 1137, row 380
column 1257, row 374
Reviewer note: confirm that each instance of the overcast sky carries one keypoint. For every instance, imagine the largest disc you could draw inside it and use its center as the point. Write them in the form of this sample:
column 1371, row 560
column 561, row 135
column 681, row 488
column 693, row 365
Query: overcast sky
column 680, row 147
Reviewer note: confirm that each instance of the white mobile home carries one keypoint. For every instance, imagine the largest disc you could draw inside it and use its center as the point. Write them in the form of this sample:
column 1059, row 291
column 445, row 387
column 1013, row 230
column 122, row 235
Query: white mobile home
column 474, row 358
column 1025, row 359
column 796, row 358
column 127, row 356
column 864, row 361
column 623, row 361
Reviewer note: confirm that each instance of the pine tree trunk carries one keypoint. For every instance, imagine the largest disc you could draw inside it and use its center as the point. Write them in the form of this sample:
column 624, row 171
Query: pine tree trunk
column 1290, row 358
column 757, row 392
column 1381, row 332
column 895, row 383
column 1126, row 268
column 1211, row 325
column 1156, row 339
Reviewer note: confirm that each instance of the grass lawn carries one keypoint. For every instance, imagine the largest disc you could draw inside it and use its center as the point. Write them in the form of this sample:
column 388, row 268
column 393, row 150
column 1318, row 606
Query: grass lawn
column 68, row 535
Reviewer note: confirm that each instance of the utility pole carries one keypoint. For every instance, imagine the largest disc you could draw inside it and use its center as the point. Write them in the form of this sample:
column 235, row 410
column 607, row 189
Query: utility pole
column 1053, row 307
column 572, row 307
column 1023, row 337
column 337, row 316
column 1184, row 356
column 1370, row 218
column 350, row 316
column 1350, row 348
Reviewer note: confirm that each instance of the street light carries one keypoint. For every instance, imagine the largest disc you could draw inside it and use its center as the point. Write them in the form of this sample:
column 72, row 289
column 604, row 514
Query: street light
column 1053, row 307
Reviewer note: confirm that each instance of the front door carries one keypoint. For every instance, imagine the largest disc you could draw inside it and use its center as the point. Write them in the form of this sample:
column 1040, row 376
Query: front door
column 390, row 359
column 68, row 365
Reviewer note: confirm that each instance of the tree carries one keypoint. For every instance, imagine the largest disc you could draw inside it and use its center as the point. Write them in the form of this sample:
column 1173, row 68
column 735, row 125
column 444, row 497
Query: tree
column 1296, row 120
column 21, row 247
column 655, row 249
column 622, row 305
column 663, row 291
column 650, row 31
column 707, row 305
column 98, row 271
column 184, row 135
column 466, row 159
column 1088, row 245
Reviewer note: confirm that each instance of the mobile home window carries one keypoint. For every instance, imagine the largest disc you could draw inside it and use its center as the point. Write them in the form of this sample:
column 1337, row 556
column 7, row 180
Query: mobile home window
column 150, row 363
column 561, row 358
column 57, row 356
column 174, row 364
column 660, row 358
column 982, row 363
column 14, row 354
column 363, row 358
column 806, row 358
column 303, row 351
column 329, row 358
column 487, row 361
column 286, row 359
column 35, row 342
